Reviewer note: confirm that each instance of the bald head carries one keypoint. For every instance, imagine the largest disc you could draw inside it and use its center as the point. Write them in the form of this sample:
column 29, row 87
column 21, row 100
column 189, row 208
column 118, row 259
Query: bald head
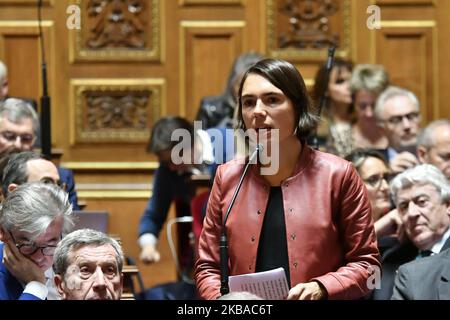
column 434, row 146
column 28, row 167
column 42, row 170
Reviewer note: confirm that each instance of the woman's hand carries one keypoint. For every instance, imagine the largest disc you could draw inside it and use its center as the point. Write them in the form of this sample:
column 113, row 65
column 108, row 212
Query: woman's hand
column 307, row 291
column 149, row 254
column 390, row 224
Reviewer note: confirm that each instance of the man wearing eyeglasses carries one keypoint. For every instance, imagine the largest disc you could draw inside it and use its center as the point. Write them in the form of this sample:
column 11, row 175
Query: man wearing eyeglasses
column 19, row 126
column 422, row 197
column 32, row 221
column 397, row 112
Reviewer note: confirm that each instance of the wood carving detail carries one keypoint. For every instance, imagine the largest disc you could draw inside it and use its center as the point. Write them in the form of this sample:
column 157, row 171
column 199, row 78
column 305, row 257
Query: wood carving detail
column 116, row 24
column 309, row 24
column 113, row 110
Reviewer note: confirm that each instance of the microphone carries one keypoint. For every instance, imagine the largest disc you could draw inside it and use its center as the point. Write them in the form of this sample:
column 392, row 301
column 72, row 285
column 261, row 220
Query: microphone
column 323, row 98
column 330, row 57
column 46, row 140
column 223, row 243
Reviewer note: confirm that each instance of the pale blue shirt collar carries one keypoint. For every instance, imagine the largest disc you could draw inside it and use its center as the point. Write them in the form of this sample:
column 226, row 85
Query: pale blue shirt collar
column 391, row 153
column 438, row 246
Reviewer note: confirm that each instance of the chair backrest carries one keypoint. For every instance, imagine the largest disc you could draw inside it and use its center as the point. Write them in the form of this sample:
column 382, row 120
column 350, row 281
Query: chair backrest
column 96, row 220
column 172, row 246
column 198, row 205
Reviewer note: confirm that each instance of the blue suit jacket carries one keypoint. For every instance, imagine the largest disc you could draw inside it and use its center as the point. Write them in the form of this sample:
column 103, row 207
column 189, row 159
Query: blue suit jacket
column 168, row 186
column 66, row 177
column 10, row 287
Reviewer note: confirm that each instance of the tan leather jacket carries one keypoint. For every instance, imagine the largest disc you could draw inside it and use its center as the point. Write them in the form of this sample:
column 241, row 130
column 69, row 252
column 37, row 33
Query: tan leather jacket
column 329, row 227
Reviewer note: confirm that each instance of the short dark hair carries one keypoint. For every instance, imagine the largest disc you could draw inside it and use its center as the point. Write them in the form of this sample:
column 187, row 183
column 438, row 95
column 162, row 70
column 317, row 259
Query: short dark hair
column 160, row 139
column 358, row 156
column 288, row 79
column 322, row 79
column 16, row 169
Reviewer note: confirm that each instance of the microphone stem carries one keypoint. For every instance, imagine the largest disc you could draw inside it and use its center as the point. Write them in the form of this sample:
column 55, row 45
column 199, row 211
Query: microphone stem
column 323, row 98
column 223, row 245
column 46, row 135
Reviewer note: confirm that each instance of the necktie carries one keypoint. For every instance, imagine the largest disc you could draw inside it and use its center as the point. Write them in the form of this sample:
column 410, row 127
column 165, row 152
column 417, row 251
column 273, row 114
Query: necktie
column 424, row 253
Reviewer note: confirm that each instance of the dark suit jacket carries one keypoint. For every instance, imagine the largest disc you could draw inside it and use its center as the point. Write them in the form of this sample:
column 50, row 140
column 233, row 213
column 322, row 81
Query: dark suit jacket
column 424, row 279
column 10, row 288
column 215, row 111
column 391, row 260
column 66, row 177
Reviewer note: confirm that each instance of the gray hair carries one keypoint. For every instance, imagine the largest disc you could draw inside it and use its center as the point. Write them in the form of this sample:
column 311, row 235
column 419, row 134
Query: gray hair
column 81, row 238
column 33, row 206
column 425, row 138
column 420, row 175
column 16, row 170
column 3, row 71
column 389, row 93
column 370, row 77
column 16, row 110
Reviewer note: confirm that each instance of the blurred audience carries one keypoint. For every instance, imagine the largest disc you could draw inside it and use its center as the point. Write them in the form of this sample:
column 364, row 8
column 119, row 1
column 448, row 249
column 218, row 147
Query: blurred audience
column 172, row 180
column 19, row 124
column 217, row 111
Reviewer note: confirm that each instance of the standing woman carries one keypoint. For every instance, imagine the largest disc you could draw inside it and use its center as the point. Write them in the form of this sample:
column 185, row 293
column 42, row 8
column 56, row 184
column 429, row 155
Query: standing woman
column 312, row 217
column 335, row 128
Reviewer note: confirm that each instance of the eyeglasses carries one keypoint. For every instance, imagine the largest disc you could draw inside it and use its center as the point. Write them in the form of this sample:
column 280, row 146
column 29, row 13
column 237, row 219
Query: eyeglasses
column 60, row 184
column 412, row 116
column 30, row 248
column 376, row 180
column 26, row 138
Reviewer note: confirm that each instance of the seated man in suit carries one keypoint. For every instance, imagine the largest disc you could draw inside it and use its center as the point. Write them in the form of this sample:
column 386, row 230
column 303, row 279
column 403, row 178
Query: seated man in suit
column 33, row 219
column 19, row 125
column 171, row 181
column 422, row 197
column 25, row 167
column 424, row 279
column 88, row 266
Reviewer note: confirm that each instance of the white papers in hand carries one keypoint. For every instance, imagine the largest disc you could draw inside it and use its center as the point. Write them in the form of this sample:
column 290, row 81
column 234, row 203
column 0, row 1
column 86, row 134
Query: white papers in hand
column 269, row 285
